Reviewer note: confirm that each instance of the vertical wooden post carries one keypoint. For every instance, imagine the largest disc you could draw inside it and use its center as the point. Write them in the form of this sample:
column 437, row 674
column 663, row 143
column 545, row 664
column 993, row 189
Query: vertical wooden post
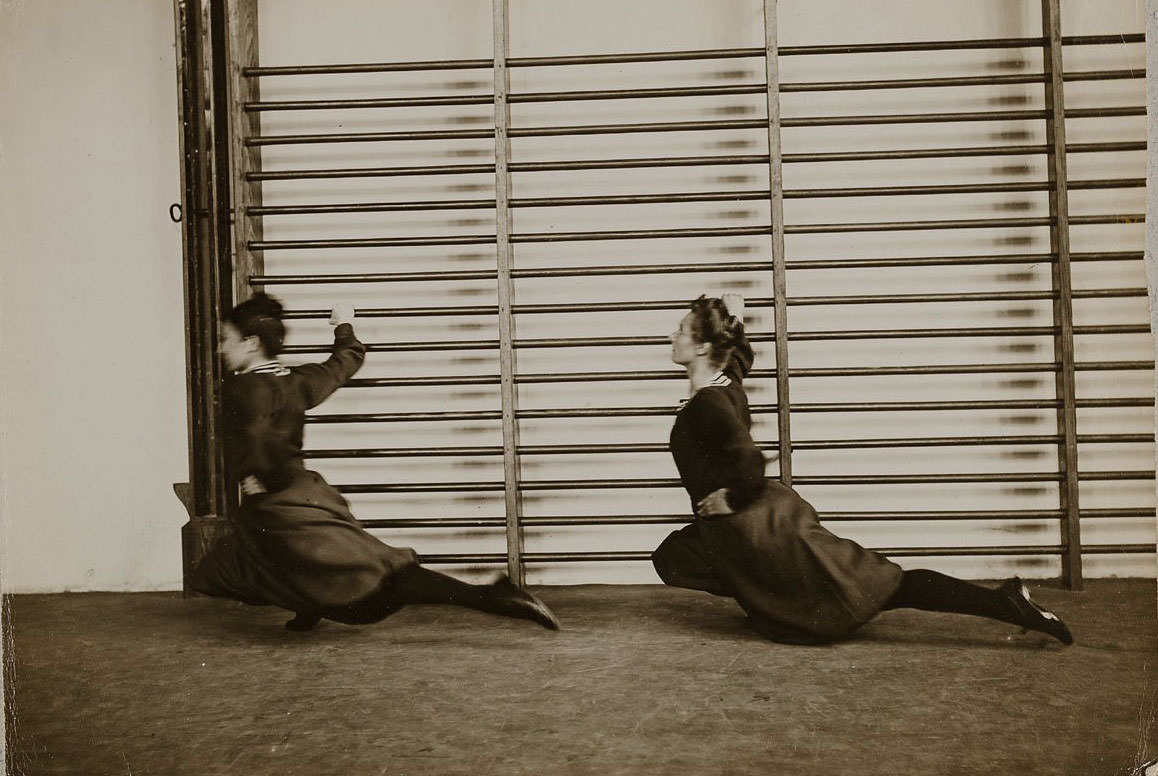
column 244, row 158
column 779, row 274
column 194, row 229
column 1059, row 238
column 216, row 22
column 204, row 228
column 503, row 255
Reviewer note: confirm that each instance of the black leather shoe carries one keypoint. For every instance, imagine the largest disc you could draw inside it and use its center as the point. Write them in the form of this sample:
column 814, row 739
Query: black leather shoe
column 524, row 605
column 1033, row 616
column 303, row 622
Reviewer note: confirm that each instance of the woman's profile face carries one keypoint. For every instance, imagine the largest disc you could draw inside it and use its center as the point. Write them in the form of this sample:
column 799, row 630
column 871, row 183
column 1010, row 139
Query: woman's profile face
column 237, row 351
column 684, row 347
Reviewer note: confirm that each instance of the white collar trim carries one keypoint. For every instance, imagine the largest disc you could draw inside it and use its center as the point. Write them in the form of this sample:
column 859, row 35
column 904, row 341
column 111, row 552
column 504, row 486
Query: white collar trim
column 719, row 378
column 267, row 368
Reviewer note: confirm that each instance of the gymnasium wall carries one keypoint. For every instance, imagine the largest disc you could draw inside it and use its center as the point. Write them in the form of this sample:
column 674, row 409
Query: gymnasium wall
column 92, row 410
column 585, row 519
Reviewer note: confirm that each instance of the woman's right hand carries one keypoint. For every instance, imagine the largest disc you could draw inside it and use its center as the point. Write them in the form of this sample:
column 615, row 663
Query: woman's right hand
column 714, row 504
column 341, row 312
column 251, row 486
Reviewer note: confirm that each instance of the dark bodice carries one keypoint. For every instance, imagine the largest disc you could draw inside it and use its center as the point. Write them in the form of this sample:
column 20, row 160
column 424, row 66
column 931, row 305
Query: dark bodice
column 264, row 413
column 710, row 439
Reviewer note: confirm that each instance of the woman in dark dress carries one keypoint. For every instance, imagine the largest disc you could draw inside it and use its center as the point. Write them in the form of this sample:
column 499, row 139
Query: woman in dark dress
column 295, row 544
column 756, row 540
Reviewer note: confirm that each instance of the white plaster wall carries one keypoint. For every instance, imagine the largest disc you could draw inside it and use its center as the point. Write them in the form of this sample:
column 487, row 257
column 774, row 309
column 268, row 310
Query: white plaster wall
column 92, row 410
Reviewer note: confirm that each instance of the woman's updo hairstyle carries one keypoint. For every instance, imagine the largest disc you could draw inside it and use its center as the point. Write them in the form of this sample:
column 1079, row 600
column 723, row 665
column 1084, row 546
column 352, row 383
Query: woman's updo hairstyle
column 260, row 316
column 714, row 325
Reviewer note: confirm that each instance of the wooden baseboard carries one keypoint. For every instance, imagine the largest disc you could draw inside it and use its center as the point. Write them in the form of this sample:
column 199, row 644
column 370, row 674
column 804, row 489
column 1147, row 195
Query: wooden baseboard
column 197, row 536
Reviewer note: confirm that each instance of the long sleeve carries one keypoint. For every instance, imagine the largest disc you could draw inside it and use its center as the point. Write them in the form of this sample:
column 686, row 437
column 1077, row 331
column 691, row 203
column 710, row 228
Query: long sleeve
column 740, row 362
column 346, row 357
column 731, row 459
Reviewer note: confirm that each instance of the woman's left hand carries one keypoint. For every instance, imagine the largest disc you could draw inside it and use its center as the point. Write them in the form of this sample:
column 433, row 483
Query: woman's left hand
column 714, row 504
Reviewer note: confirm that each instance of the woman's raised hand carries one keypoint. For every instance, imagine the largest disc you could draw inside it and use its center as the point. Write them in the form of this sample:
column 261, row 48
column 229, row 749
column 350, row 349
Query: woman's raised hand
column 341, row 312
column 735, row 304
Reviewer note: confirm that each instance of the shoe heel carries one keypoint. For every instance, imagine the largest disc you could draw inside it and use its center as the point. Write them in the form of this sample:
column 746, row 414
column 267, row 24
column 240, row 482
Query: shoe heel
column 1033, row 616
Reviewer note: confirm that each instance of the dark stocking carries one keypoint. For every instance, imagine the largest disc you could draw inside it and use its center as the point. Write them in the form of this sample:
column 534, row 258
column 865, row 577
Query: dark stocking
column 924, row 589
column 936, row 592
column 418, row 585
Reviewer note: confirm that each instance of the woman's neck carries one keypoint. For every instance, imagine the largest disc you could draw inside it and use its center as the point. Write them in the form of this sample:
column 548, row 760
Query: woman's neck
column 255, row 362
column 700, row 373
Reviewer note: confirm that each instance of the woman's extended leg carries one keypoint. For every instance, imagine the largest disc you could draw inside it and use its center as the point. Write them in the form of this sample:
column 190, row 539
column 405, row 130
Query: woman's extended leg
column 419, row 585
column 933, row 591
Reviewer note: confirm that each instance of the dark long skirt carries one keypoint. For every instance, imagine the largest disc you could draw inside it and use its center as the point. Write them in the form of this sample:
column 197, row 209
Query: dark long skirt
column 301, row 549
column 797, row 582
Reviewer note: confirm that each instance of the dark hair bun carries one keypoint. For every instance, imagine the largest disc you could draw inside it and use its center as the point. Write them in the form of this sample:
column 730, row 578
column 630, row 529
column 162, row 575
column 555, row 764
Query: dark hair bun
column 713, row 324
column 260, row 316
column 729, row 331
column 262, row 304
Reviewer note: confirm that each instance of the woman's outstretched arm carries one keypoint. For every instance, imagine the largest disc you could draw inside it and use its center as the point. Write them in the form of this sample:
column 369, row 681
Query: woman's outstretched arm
column 346, row 357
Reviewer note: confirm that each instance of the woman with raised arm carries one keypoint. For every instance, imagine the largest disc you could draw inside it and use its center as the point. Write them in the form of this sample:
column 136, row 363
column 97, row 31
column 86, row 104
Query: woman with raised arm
column 295, row 544
column 756, row 540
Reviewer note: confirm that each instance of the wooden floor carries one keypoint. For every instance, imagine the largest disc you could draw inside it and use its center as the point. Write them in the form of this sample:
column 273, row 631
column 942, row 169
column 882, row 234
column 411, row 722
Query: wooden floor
column 642, row 680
